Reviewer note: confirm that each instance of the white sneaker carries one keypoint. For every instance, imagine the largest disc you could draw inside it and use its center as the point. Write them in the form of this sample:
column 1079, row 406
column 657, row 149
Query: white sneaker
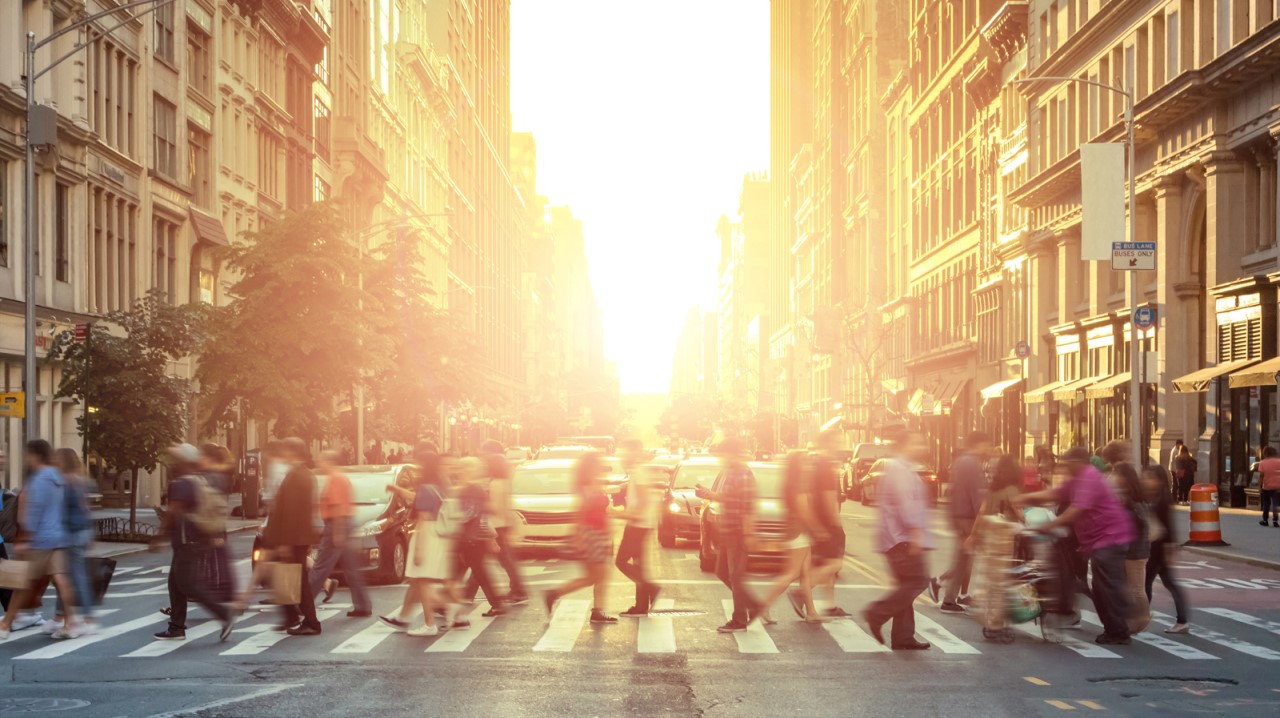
column 27, row 619
column 72, row 630
column 87, row 628
column 427, row 630
column 51, row 627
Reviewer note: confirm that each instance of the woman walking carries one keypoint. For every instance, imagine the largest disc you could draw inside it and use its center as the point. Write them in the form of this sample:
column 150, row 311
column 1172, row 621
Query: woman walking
column 802, row 529
column 1135, row 565
column 80, row 531
column 1184, row 473
column 1155, row 480
column 430, row 554
column 595, row 547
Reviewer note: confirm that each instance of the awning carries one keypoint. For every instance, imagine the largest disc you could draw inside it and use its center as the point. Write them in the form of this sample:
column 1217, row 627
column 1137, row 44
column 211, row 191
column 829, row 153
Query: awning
column 920, row 399
column 1263, row 374
column 891, row 386
column 998, row 389
column 1067, row 392
column 1198, row 381
column 208, row 228
column 950, row 392
column 833, row 422
column 1108, row 387
column 1037, row 395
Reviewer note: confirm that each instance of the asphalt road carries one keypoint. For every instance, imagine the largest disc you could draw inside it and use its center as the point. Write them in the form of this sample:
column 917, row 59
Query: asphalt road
column 524, row 665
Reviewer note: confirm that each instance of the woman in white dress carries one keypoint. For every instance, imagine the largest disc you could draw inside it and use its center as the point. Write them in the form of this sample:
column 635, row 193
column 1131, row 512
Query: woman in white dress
column 430, row 554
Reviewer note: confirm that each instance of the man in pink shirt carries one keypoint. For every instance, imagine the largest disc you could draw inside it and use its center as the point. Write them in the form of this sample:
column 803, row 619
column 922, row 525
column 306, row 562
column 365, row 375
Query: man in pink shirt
column 1269, row 469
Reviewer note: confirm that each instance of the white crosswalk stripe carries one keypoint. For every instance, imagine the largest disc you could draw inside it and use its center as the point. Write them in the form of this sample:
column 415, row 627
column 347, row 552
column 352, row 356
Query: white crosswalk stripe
column 457, row 640
column 62, row 648
column 753, row 640
column 1223, row 640
column 1088, row 650
column 259, row 642
column 564, row 627
column 160, row 648
column 1246, row 619
column 941, row 637
column 34, row 631
column 851, row 638
column 655, row 634
column 1181, row 650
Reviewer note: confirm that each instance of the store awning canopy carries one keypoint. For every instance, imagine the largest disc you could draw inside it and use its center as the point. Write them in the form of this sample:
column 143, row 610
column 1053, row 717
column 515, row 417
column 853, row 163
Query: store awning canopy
column 1263, row 374
column 1067, row 392
column 833, row 423
column 1037, row 395
column 1198, row 381
column 1109, row 386
column 208, row 228
column 998, row 389
column 920, row 402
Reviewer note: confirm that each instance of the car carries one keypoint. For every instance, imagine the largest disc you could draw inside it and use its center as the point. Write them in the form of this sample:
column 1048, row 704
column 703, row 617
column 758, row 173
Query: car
column 771, row 520
column 616, row 479
column 563, row 452
column 682, row 514
column 867, row 490
column 383, row 522
column 545, row 504
column 517, row 455
column 861, row 460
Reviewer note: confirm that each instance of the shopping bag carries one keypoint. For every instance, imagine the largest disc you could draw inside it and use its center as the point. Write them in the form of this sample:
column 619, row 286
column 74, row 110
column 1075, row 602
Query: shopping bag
column 217, row 574
column 14, row 574
column 286, row 583
column 100, row 570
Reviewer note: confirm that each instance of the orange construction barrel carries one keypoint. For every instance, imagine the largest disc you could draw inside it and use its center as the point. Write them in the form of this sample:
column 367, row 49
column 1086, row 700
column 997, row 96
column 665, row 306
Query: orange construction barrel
column 1206, row 526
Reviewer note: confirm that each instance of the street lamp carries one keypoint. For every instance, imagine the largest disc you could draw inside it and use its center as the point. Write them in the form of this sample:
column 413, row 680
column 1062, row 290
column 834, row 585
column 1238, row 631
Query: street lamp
column 1135, row 381
column 49, row 129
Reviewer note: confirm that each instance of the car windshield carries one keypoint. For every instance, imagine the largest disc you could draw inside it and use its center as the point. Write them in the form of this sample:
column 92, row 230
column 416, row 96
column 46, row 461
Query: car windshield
column 542, row 481
column 370, row 489
column 688, row 476
column 768, row 481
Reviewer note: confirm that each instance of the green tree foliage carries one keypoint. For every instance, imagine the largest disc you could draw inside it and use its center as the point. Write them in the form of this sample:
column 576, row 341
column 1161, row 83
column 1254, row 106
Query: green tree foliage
column 134, row 407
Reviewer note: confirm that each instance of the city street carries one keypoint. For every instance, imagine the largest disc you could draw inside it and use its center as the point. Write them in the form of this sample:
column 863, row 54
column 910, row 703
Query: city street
column 679, row 664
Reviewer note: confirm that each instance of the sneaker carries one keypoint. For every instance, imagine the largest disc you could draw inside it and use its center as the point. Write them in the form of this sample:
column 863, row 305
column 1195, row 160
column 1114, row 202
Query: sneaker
column 461, row 624
column 965, row 600
column 1178, row 629
column 1262, row 522
column 951, row 607
column 732, row 627
column 51, row 627
column 4, row 634
column 494, row 613
column 515, row 599
column 304, row 630
column 837, row 612
column 634, row 612
column 71, row 630
column 599, row 617
column 425, row 630
column 88, row 627
column 359, row 614
column 934, row 589
column 227, row 625
column 171, row 634
column 27, row 619
column 395, row 622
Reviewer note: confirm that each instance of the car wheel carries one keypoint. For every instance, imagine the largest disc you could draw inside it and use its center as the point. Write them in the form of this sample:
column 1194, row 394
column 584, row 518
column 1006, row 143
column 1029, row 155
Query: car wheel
column 393, row 571
column 666, row 534
column 706, row 559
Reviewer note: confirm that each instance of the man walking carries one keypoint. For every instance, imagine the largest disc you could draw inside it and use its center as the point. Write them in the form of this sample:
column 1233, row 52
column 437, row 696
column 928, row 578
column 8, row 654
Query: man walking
column 641, row 516
column 191, row 548
column 290, row 531
column 968, row 483
column 336, row 511
column 498, row 473
column 902, row 535
column 736, row 533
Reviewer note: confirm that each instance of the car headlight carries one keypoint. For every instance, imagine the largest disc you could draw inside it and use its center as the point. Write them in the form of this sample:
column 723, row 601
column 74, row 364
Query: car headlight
column 675, row 507
column 373, row 528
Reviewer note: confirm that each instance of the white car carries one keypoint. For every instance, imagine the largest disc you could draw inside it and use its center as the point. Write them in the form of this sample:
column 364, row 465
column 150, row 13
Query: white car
column 545, row 504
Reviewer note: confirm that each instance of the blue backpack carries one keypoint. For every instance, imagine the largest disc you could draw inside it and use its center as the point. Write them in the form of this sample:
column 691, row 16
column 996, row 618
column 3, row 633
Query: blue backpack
column 75, row 516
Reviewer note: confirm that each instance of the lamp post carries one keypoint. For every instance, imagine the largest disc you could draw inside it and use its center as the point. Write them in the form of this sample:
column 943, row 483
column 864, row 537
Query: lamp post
column 1135, row 379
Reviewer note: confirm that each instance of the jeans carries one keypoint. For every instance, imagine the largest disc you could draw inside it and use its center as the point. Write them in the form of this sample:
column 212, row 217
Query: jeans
column 78, row 573
column 631, row 562
column 911, row 579
column 1270, row 501
column 1111, row 589
column 474, row 555
column 507, row 559
column 731, row 568
column 307, row 608
column 1158, row 565
column 185, row 584
column 957, row 577
column 331, row 555
column 5, row 594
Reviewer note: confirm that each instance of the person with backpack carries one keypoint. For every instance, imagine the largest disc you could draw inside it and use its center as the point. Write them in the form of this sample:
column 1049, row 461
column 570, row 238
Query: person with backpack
column 79, row 527
column 191, row 522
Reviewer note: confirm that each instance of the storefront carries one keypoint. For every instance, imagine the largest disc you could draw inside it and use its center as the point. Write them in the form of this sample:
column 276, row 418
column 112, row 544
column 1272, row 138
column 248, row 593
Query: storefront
column 1043, row 396
column 943, row 411
column 1002, row 415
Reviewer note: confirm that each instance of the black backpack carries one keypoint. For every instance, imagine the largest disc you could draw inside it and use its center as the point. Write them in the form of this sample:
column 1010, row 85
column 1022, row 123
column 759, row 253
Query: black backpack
column 9, row 518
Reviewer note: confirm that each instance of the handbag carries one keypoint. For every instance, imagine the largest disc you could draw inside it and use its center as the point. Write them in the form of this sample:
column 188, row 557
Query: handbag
column 14, row 574
column 100, row 570
column 286, row 583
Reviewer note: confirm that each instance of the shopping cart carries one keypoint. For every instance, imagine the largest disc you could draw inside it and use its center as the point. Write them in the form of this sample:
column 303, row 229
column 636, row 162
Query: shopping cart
column 1023, row 575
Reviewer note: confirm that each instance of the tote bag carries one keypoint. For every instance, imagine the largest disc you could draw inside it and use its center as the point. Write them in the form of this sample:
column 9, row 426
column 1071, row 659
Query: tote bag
column 286, row 583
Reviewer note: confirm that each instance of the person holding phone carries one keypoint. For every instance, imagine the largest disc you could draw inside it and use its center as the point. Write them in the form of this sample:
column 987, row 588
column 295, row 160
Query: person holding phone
column 735, row 536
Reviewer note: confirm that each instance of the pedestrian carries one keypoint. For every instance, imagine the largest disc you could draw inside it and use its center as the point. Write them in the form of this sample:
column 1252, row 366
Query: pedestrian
column 826, row 557
column 902, row 535
column 1135, row 564
column 1103, row 530
column 968, row 484
column 43, row 540
column 593, row 545
column 736, row 532
column 1155, row 480
column 431, row 547
column 1000, row 500
column 79, row 527
column 217, row 469
column 803, row 530
column 1184, row 472
column 641, row 514
column 1045, row 464
column 190, row 546
column 28, row 615
column 337, row 508
column 500, row 518
column 291, row 532
column 1269, row 469
column 476, row 537
column 277, row 467
column 1174, row 453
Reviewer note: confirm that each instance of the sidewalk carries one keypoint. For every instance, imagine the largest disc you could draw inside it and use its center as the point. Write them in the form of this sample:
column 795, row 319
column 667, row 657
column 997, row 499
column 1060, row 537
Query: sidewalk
column 147, row 516
column 1250, row 543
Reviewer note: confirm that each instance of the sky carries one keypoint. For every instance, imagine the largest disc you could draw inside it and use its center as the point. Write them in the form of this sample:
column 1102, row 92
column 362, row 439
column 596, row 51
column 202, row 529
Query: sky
column 647, row 115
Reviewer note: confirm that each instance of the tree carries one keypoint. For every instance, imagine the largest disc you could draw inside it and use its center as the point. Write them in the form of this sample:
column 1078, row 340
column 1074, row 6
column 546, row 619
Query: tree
column 299, row 331
column 134, row 409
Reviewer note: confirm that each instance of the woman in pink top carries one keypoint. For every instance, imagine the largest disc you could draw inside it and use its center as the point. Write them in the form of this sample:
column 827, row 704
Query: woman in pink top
column 594, row 544
column 1269, row 469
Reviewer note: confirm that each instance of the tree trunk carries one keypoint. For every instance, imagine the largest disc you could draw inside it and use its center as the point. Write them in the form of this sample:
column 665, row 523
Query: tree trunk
column 133, row 500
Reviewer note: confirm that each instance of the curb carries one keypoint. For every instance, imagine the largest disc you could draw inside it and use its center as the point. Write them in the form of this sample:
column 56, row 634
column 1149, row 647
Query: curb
column 131, row 549
column 1226, row 556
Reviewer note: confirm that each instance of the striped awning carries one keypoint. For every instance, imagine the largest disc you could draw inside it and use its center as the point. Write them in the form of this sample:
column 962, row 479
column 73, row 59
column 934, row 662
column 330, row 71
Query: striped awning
column 1067, row 392
column 1200, row 380
column 998, row 389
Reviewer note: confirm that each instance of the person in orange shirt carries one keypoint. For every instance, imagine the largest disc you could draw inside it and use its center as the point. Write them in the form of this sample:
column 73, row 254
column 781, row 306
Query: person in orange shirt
column 1269, row 468
column 337, row 510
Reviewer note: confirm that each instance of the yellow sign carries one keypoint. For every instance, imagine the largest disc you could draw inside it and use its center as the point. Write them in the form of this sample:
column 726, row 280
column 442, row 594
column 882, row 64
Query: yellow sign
column 13, row 405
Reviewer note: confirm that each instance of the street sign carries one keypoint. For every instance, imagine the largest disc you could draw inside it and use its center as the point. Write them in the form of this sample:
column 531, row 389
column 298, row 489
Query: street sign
column 82, row 333
column 1144, row 317
column 1133, row 256
column 1022, row 350
column 13, row 405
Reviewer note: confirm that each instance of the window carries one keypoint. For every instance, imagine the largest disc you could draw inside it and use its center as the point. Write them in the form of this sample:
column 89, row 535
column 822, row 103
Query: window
column 61, row 260
column 199, row 166
column 321, row 192
column 112, row 78
column 322, row 129
column 4, row 213
column 111, row 248
column 164, row 273
column 165, row 150
column 199, row 65
column 164, row 32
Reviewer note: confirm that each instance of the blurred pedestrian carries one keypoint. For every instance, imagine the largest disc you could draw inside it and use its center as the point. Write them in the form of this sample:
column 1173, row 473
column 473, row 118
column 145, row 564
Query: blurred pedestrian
column 79, row 527
column 277, row 467
column 28, row 615
column 803, row 529
column 217, row 468
column 1184, row 473
column 736, row 533
column 430, row 561
column 498, row 472
column 1269, row 471
column 1001, row 500
column 968, row 484
column 593, row 544
column 43, row 540
column 476, row 538
column 902, row 535
column 190, row 546
column 291, row 532
column 1135, row 564
column 1045, row 463
column 337, row 507
column 1164, row 545
column 827, row 555
column 641, row 513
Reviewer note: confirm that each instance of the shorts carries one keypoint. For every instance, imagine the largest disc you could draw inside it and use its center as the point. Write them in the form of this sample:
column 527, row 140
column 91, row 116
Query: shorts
column 597, row 545
column 830, row 548
column 800, row 541
column 45, row 562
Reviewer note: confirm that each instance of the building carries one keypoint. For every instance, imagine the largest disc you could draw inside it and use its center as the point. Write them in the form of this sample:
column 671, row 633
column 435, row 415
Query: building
column 743, row 288
column 692, row 368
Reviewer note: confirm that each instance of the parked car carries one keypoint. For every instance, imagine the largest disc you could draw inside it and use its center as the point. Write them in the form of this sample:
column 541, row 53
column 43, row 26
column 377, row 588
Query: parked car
column 682, row 517
column 867, row 491
column 545, row 504
column 860, row 462
column 563, row 452
column 383, row 522
column 771, row 524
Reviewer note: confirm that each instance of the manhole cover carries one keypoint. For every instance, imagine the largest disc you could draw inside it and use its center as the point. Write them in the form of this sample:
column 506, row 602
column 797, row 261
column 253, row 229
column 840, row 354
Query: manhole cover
column 675, row 613
column 40, row 705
